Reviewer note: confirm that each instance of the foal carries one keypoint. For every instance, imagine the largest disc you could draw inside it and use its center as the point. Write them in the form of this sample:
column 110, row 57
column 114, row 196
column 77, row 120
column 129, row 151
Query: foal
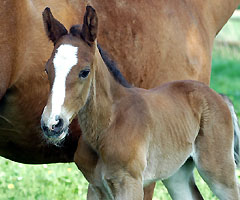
column 138, row 135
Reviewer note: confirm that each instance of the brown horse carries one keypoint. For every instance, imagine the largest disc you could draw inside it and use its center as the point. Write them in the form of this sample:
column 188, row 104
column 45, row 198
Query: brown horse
column 139, row 34
column 139, row 135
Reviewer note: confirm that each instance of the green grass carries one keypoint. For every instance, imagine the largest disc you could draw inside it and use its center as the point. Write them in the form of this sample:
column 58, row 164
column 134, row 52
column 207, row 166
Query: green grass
column 42, row 182
column 225, row 77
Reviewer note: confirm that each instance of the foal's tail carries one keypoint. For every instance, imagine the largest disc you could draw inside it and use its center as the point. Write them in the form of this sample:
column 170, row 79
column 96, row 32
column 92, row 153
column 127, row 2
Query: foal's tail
column 236, row 129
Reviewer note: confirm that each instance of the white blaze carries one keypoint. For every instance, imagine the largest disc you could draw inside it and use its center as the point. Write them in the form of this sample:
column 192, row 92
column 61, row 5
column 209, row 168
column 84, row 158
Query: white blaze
column 64, row 60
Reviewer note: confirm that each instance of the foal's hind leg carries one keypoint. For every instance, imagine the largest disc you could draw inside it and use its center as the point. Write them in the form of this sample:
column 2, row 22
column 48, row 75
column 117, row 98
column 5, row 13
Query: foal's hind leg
column 181, row 185
column 213, row 156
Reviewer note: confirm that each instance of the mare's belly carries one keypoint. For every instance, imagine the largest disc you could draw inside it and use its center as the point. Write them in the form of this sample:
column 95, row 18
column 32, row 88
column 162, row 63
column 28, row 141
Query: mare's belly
column 21, row 137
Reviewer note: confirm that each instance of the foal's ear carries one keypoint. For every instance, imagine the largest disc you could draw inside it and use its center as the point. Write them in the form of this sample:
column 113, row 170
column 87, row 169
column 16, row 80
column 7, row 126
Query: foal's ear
column 90, row 25
column 53, row 27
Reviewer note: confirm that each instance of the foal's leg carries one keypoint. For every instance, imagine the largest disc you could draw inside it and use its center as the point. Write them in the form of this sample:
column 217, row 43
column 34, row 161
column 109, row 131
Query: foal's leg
column 214, row 160
column 148, row 191
column 93, row 193
column 129, row 188
column 182, row 185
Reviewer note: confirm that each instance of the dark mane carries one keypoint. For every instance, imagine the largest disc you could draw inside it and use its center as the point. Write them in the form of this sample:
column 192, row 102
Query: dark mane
column 112, row 67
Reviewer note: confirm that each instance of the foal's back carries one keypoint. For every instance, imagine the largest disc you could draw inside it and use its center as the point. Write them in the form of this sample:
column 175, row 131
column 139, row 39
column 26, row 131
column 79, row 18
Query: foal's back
column 187, row 103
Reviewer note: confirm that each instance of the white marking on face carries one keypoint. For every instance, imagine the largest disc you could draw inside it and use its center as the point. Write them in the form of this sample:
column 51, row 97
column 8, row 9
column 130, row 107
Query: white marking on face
column 64, row 60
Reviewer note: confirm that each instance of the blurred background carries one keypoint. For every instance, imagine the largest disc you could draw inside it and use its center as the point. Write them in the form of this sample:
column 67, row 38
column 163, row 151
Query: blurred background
column 65, row 181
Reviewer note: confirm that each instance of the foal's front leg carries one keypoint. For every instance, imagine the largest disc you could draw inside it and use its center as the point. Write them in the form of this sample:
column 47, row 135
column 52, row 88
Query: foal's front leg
column 94, row 193
column 129, row 188
column 120, row 186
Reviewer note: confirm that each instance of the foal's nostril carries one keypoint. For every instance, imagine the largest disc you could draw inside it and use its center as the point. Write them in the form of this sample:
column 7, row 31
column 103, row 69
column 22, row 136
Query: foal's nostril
column 58, row 126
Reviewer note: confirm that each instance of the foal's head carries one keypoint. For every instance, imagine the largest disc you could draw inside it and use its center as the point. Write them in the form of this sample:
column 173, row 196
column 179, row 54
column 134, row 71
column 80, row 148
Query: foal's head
column 70, row 72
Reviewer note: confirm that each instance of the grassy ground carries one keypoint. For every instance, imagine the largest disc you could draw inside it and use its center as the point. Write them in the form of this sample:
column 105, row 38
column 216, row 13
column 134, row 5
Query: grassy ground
column 225, row 76
column 64, row 181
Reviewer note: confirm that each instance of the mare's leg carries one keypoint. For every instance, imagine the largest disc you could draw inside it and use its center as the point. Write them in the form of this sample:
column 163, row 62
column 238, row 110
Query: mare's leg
column 148, row 191
column 182, row 185
column 214, row 160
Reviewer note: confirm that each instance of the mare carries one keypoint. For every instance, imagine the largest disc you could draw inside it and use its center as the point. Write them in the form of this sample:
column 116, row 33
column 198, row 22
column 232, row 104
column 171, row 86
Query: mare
column 139, row 135
column 139, row 34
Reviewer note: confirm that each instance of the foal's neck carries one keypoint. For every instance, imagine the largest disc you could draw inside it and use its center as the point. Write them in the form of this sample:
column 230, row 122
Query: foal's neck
column 98, row 112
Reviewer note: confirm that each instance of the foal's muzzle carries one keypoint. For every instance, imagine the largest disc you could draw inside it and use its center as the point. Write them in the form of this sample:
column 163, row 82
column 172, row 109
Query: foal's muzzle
column 56, row 131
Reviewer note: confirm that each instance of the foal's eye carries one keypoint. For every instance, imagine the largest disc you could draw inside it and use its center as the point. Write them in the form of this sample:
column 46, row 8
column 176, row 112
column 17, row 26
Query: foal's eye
column 84, row 73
